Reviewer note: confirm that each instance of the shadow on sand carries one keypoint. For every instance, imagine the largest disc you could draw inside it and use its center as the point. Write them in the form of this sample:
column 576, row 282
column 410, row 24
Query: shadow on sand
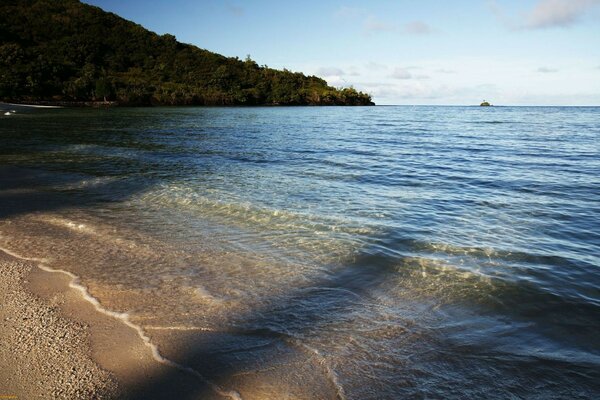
column 266, row 339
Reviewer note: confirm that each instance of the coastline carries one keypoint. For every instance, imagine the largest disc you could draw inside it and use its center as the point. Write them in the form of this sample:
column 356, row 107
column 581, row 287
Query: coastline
column 43, row 354
column 56, row 343
column 142, row 359
column 60, row 104
column 112, row 104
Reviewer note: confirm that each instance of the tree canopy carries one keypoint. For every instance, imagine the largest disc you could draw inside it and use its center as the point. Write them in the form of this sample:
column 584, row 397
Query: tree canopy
column 64, row 50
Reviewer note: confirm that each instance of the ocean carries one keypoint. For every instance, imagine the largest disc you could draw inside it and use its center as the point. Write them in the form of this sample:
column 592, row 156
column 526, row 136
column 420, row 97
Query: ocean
column 381, row 252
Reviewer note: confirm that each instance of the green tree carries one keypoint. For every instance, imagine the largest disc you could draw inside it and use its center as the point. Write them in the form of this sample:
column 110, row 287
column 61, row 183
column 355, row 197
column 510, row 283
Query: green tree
column 103, row 89
column 68, row 50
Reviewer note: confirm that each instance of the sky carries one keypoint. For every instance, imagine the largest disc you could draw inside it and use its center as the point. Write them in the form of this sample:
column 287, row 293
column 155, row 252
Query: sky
column 509, row 52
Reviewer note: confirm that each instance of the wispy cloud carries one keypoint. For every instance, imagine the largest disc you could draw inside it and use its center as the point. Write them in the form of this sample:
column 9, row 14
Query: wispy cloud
column 547, row 70
column 546, row 14
column 557, row 13
column 500, row 14
column 330, row 71
column 417, row 28
column 401, row 73
column 370, row 23
column 405, row 74
column 419, row 92
column 373, row 66
column 373, row 24
column 353, row 71
column 445, row 71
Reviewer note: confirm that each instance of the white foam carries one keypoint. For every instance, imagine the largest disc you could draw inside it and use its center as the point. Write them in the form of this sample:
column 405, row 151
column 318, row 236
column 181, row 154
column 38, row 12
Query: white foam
column 124, row 317
column 98, row 232
column 207, row 296
column 74, row 226
column 32, row 105
column 180, row 328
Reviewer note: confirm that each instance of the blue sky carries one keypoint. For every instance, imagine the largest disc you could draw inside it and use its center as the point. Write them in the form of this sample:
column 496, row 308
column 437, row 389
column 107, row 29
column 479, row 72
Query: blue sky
column 403, row 52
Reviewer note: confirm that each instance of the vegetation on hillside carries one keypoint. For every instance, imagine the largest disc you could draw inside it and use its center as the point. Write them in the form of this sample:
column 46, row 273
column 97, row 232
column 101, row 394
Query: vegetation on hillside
column 63, row 50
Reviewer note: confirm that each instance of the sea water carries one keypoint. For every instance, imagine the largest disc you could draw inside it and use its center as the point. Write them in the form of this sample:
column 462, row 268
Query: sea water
column 360, row 253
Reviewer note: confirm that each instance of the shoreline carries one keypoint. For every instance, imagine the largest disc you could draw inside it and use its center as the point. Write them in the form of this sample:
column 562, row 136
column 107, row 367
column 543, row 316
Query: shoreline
column 113, row 104
column 30, row 105
column 61, row 104
column 144, row 358
column 43, row 354
column 58, row 342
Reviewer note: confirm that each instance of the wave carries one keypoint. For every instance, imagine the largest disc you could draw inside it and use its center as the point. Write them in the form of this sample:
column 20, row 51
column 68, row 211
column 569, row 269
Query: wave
column 277, row 223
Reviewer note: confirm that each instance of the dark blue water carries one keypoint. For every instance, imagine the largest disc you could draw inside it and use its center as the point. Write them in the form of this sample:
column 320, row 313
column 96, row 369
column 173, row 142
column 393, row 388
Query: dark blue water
column 407, row 252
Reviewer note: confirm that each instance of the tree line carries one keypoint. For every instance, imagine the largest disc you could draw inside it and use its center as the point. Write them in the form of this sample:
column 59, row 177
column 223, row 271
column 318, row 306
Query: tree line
column 67, row 51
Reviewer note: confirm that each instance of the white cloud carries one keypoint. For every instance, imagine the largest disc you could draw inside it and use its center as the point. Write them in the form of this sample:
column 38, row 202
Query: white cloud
column 370, row 23
column 353, row 71
column 401, row 73
column 417, row 28
column 467, row 80
column 420, row 93
column 373, row 66
column 330, row 71
column 546, row 14
column 557, row 13
column 405, row 74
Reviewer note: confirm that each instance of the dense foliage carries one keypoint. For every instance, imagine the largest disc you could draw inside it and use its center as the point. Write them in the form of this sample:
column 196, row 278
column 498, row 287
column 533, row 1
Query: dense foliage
column 63, row 50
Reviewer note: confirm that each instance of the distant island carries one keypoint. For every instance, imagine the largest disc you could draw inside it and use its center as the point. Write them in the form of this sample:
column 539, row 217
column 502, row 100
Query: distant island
column 67, row 52
column 485, row 104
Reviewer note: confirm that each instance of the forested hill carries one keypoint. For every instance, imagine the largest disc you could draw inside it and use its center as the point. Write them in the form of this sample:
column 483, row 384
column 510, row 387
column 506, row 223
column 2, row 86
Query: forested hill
column 67, row 51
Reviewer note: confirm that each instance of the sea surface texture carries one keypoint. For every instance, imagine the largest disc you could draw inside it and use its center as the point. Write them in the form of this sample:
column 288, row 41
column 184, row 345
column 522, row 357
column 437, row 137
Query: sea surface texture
column 323, row 253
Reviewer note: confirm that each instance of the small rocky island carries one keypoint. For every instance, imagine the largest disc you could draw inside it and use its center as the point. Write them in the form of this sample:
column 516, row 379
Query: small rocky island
column 485, row 104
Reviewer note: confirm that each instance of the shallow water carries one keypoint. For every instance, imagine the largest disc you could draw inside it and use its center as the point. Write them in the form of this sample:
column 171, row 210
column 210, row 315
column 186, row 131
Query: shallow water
column 360, row 253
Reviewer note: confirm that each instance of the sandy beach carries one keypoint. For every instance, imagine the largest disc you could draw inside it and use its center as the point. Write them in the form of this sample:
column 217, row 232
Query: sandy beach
column 43, row 354
column 81, row 345
column 56, row 344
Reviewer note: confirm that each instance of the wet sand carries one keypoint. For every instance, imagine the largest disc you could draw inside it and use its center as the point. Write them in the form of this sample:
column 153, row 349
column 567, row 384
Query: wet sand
column 56, row 344
column 43, row 354
column 92, row 348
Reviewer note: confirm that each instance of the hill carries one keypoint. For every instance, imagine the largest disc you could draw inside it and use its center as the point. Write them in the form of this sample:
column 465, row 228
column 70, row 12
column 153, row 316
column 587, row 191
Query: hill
column 67, row 51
